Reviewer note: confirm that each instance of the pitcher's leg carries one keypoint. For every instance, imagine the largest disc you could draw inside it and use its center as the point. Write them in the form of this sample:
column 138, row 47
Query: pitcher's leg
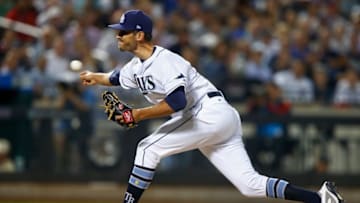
column 140, row 179
column 232, row 160
column 174, row 136
column 234, row 163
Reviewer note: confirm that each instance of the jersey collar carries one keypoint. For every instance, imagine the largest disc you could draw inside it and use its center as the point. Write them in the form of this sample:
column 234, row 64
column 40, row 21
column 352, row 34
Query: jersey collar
column 149, row 61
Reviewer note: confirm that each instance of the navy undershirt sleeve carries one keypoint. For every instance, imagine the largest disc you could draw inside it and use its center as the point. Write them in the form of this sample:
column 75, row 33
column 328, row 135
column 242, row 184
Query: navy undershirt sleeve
column 114, row 77
column 176, row 99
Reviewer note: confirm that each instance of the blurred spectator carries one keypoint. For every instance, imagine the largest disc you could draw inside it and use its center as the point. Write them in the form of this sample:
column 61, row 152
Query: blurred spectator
column 191, row 54
column 82, row 29
column 57, row 63
column 50, row 13
column 310, row 17
column 7, row 42
column 271, row 138
column 271, row 45
column 238, row 55
column 281, row 61
column 45, row 91
column 24, row 12
column 236, row 88
column 181, row 42
column 73, row 133
column 337, row 64
column 162, row 35
column 299, row 46
column 323, row 92
column 271, row 102
column 8, row 70
column 256, row 69
column 194, row 16
column 212, row 34
column 85, row 55
column 296, row 86
column 44, row 43
column 340, row 38
column 25, row 72
column 6, row 163
column 236, row 27
column 54, row 13
column 214, row 66
column 347, row 91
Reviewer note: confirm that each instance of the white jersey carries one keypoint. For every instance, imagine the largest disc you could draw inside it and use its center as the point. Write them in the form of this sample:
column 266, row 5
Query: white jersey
column 161, row 74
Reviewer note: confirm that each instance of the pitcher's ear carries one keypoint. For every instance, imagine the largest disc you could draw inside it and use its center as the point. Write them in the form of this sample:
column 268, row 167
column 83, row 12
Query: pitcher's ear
column 140, row 35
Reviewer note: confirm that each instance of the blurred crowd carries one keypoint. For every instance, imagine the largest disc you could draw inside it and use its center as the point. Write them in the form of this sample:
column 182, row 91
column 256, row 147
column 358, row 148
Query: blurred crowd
column 269, row 54
column 310, row 49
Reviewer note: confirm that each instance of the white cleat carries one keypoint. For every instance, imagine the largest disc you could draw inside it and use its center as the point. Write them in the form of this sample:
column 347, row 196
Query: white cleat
column 329, row 194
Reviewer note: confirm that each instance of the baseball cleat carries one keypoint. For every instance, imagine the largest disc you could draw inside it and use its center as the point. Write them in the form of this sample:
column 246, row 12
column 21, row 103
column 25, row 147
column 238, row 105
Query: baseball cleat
column 329, row 194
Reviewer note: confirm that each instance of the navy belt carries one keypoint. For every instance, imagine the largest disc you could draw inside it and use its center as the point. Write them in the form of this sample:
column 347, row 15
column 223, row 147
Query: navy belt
column 214, row 94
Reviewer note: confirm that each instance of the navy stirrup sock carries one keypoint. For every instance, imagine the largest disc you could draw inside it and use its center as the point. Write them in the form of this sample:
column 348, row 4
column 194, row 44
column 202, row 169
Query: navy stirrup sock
column 139, row 181
column 277, row 188
column 295, row 193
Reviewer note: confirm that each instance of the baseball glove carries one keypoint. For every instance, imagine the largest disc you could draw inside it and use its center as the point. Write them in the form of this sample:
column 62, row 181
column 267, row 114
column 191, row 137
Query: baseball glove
column 114, row 106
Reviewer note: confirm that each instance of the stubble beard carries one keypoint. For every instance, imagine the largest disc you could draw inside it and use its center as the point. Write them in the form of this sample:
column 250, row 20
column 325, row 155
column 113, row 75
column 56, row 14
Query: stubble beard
column 127, row 47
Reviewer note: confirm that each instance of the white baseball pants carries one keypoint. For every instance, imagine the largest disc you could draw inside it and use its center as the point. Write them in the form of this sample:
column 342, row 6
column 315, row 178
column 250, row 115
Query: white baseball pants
column 213, row 127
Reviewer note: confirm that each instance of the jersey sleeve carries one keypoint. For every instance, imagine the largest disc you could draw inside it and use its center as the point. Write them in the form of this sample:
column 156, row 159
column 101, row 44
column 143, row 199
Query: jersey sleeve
column 126, row 77
column 177, row 99
column 115, row 77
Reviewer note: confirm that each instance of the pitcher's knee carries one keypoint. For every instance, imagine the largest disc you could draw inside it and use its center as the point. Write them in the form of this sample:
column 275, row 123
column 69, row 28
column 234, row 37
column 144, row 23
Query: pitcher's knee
column 146, row 156
column 254, row 187
column 249, row 192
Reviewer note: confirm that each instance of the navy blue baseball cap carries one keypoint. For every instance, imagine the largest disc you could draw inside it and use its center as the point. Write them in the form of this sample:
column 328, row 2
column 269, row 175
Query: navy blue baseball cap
column 134, row 20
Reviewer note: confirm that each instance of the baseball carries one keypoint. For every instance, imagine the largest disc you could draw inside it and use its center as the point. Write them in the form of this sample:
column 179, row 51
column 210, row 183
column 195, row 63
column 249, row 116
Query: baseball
column 75, row 65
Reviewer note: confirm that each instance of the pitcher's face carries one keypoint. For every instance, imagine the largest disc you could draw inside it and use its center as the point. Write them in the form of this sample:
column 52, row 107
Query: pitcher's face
column 126, row 40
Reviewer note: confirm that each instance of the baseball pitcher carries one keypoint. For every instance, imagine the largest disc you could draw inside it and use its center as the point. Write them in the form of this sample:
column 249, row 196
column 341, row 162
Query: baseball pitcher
column 201, row 118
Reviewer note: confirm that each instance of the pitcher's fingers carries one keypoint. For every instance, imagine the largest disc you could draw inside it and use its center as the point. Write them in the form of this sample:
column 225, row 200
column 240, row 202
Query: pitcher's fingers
column 119, row 118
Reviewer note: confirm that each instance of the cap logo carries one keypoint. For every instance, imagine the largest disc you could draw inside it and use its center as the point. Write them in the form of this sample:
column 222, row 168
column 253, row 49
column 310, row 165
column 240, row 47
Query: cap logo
column 122, row 19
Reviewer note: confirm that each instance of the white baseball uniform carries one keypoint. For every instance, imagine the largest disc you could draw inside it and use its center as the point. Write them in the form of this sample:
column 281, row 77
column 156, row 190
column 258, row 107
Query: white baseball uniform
column 207, row 123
